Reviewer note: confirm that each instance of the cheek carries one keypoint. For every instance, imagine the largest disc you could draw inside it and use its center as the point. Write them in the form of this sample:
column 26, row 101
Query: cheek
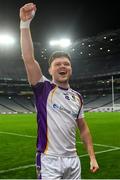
column 52, row 71
column 70, row 71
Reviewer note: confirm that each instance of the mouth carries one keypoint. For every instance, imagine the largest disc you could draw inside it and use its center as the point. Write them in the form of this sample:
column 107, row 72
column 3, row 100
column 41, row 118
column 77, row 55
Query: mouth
column 62, row 73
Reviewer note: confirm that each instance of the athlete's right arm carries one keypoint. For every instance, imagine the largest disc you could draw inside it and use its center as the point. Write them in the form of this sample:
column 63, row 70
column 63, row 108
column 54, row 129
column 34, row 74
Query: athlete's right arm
column 33, row 69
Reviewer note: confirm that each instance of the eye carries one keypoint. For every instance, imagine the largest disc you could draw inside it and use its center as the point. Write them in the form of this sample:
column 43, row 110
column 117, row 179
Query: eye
column 67, row 64
column 57, row 64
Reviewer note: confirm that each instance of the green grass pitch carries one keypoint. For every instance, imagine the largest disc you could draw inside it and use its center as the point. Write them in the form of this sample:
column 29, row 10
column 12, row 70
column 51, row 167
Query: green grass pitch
column 18, row 145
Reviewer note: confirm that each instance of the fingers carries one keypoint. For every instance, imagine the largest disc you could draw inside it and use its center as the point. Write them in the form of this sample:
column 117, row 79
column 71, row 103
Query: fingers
column 94, row 166
column 29, row 7
column 27, row 11
column 94, row 169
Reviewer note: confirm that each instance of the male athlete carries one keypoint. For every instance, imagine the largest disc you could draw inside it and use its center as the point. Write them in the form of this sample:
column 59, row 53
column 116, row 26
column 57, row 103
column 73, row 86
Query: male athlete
column 59, row 110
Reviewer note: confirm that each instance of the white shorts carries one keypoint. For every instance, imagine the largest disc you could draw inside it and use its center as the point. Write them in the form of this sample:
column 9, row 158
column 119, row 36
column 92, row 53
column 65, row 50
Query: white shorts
column 53, row 167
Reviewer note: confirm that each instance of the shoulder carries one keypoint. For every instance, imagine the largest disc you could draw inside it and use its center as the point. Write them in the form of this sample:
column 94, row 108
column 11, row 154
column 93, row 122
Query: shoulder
column 43, row 83
column 77, row 94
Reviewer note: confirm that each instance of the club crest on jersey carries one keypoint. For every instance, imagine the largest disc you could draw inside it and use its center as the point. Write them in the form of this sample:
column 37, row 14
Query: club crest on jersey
column 69, row 97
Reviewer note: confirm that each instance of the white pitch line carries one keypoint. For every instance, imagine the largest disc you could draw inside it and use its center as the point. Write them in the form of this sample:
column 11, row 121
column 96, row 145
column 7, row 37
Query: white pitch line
column 101, row 152
column 28, row 136
column 17, row 168
column 102, row 145
column 32, row 165
column 15, row 134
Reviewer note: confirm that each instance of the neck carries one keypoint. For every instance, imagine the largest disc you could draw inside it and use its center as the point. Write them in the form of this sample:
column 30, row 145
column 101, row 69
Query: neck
column 64, row 85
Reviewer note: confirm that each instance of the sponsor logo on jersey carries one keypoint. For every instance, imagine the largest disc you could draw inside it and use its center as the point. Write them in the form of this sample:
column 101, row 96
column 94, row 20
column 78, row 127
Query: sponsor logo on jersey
column 61, row 108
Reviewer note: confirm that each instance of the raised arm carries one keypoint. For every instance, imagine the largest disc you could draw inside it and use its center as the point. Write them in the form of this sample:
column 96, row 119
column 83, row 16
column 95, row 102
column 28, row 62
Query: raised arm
column 87, row 140
column 32, row 67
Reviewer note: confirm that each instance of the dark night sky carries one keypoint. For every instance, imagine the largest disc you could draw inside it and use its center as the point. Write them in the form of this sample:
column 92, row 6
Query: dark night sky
column 62, row 18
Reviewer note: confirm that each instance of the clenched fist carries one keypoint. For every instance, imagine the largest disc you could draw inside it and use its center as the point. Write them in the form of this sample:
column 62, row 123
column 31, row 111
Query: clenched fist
column 27, row 11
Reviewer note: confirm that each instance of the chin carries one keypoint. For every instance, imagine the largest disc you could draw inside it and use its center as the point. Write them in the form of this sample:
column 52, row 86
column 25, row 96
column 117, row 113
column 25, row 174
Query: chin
column 63, row 80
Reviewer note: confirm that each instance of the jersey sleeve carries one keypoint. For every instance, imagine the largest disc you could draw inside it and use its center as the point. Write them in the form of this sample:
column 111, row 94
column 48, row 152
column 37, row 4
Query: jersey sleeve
column 43, row 87
column 81, row 111
column 43, row 79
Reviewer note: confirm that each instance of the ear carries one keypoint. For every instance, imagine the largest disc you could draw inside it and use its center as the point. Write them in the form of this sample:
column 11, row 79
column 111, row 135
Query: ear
column 50, row 71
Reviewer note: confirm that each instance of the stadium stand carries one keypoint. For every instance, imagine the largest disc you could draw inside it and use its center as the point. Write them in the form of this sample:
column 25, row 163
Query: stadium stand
column 95, row 62
column 16, row 104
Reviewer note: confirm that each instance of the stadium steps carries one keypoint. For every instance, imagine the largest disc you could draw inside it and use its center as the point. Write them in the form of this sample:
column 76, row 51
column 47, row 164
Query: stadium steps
column 32, row 103
column 7, row 108
column 6, row 101
column 92, row 100
column 110, row 102
column 106, row 104
column 18, row 103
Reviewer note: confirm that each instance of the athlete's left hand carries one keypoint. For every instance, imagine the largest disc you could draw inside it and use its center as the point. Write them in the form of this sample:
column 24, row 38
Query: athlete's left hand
column 93, row 165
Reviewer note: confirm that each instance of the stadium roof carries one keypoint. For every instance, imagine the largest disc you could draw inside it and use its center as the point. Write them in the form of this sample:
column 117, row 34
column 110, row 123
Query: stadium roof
column 56, row 18
column 103, row 44
column 93, row 27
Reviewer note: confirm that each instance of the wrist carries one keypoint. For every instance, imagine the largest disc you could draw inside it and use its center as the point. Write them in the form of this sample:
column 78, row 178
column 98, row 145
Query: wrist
column 25, row 24
column 92, row 158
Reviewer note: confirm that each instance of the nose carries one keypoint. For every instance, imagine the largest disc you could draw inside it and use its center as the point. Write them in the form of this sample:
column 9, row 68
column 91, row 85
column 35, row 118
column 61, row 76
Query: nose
column 62, row 65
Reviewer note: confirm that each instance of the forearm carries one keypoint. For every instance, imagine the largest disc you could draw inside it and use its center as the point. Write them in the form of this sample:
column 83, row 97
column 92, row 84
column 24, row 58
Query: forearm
column 27, row 45
column 86, row 137
column 87, row 140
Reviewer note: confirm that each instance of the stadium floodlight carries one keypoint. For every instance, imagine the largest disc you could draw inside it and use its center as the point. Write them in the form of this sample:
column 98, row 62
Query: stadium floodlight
column 6, row 39
column 62, row 43
column 54, row 43
column 65, row 42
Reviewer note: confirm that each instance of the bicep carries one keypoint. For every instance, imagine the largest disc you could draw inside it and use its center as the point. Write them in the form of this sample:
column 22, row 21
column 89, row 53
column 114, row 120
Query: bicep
column 34, row 72
column 82, row 125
